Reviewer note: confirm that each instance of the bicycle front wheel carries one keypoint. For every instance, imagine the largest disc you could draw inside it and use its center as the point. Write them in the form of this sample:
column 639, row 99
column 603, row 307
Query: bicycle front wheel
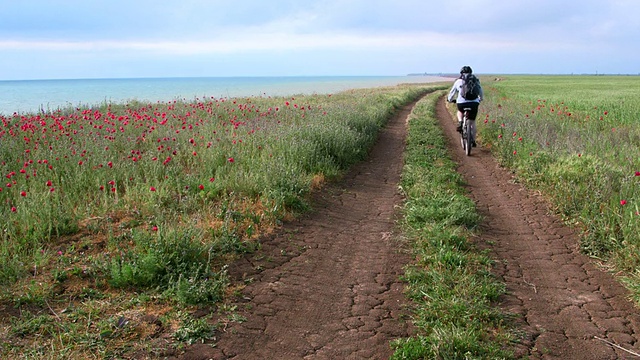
column 467, row 139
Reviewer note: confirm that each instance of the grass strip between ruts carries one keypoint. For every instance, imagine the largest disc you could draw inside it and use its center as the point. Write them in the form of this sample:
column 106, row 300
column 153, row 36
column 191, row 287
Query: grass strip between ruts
column 452, row 290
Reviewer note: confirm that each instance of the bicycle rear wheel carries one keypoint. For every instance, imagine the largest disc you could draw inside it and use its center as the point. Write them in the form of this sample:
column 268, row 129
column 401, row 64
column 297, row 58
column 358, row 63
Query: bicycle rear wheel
column 466, row 138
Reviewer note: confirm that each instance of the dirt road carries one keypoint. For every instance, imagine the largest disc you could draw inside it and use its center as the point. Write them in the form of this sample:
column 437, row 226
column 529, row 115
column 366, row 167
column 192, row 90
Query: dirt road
column 327, row 287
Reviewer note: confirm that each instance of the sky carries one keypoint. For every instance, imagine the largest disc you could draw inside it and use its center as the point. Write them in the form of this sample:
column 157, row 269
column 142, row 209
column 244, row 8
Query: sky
column 75, row 39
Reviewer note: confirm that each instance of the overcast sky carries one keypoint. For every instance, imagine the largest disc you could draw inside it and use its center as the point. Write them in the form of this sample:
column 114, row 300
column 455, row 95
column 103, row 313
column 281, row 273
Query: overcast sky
column 54, row 39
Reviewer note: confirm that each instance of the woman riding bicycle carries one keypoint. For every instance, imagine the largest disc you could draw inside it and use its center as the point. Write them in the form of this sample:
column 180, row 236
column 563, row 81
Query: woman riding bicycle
column 463, row 103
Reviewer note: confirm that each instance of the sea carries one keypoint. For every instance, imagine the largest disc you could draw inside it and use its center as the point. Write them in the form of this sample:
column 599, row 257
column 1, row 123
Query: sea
column 32, row 96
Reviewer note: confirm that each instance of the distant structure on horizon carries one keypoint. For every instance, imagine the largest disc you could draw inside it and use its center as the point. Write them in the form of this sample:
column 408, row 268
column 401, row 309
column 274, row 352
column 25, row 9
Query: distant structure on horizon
column 433, row 74
column 425, row 74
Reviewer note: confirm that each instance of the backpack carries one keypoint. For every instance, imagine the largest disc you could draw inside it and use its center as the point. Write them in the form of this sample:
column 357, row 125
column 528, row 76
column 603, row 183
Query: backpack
column 470, row 87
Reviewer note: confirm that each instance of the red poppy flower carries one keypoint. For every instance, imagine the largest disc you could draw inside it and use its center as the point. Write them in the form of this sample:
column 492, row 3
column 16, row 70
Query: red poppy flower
column 623, row 202
column 201, row 187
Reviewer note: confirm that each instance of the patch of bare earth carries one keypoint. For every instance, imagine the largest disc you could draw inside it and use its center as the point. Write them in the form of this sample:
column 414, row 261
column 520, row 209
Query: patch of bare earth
column 567, row 306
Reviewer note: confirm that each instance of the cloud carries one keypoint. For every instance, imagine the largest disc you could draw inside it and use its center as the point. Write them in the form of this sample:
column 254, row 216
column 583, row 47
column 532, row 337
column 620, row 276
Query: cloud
column 279, row 36
column 380, row 35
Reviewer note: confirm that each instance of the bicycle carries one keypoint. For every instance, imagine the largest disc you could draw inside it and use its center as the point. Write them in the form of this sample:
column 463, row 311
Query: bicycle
column 466, row 138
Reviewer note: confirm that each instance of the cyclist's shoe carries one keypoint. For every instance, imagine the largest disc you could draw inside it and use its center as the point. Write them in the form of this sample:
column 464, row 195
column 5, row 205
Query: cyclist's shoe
column 459, row 127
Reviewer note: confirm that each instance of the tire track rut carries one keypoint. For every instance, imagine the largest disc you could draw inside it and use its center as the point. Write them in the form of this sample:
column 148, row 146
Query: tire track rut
column 327, row 285
column 567, row 307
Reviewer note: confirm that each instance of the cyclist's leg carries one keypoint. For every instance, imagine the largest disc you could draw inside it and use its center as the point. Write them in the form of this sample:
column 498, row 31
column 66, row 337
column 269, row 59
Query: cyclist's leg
column 472, row 115
column 472, row 126
column 460, row 115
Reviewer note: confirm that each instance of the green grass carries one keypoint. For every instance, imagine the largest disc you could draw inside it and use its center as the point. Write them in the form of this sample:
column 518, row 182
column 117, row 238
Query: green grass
column 575, row 139
column 451, row 287
column 120, row 220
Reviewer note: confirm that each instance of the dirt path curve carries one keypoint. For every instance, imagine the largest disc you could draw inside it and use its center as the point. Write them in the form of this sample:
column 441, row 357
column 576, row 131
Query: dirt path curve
column 566, row 304
column 327, row 287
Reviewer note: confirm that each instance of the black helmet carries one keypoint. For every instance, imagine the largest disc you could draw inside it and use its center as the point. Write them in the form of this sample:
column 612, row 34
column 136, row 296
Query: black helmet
column 466, row 70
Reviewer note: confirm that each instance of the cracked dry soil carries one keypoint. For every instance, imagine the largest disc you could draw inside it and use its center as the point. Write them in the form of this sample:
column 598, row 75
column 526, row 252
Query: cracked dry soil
column 326, row 286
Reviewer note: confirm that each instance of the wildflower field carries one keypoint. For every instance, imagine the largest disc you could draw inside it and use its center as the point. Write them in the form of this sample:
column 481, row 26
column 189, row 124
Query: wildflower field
column 577, row 140
column 134, row 210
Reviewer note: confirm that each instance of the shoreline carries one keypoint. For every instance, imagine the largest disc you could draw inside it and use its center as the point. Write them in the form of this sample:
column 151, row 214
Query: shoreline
column 36, row 96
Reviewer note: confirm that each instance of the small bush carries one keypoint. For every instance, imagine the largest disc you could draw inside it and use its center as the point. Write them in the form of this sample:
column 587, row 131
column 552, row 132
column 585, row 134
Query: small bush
column 192, row 330
column 176, row 261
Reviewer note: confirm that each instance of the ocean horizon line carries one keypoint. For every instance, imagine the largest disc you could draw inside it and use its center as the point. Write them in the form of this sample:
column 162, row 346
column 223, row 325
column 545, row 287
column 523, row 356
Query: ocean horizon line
column 29, row 96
